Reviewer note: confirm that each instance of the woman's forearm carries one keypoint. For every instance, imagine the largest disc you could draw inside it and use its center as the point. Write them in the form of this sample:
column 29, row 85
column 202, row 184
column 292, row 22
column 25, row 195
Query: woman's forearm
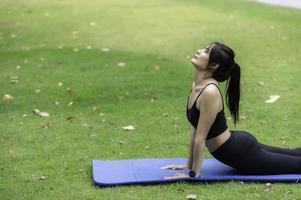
column 191, row 149
column 199, row 145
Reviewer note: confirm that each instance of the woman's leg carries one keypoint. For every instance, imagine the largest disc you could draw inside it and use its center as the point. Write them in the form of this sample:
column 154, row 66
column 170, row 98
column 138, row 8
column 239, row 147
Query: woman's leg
column 243, row 152
column 266, row 162
column 290, row 152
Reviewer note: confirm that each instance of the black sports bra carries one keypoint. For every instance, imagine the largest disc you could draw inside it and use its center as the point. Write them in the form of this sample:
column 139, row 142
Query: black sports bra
column 219, row 125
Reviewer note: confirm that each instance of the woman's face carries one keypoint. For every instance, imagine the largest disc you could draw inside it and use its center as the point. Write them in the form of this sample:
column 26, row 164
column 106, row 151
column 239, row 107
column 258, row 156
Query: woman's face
column 201, row 58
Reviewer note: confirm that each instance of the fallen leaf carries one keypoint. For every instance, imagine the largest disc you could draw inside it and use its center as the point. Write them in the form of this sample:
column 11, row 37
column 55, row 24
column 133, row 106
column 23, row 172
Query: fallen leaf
column 121, row 64
column 39, row 113
column 56, row 103
column 147, row 147
column 8, row 98
column 69, row 90
column 272, row 99
column 242, row 117
column 70, row 103
column 269, row 190
column 95, row 108
column 105, row 49
column 128, row 128
column 261, row 83
column 41, row 178
column 191, row 196
column 14, row 79
column 157, row 67
column 46, row 126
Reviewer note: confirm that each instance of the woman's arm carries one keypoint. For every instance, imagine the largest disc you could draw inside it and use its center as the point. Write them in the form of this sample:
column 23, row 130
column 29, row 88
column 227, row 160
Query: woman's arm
column 208, row 106
column 190, row 155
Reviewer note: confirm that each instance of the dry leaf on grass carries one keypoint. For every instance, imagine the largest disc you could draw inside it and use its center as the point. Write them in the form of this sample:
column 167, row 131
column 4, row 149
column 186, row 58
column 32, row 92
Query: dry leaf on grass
column 191, row 196
column 39, row 113
column 242, row 117
column 14, row 79
column 69, row 90
column 46, row 126
column 8, row 98
column 42, row 178
column 128, row 128
column 121, row 64
column 272, row 99
column 105, row 49
column 165, row 115
column 95, row 108
column 157, row 67
column 261, row 83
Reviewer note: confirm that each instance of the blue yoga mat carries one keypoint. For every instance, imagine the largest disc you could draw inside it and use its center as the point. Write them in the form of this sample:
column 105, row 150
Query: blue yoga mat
column 146, row 171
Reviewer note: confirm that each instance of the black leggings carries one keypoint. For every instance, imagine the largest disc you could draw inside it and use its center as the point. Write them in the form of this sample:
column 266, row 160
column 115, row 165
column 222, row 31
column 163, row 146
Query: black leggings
column 243, row 152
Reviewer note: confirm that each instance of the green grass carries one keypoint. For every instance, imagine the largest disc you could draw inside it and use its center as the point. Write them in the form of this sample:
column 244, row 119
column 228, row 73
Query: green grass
column 142, row 35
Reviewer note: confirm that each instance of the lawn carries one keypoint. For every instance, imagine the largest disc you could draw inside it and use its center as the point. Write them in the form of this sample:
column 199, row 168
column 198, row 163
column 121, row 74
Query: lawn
column 97, row 66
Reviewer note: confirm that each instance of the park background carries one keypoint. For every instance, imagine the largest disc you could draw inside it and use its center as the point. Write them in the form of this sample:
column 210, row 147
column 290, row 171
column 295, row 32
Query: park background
column 98, row 66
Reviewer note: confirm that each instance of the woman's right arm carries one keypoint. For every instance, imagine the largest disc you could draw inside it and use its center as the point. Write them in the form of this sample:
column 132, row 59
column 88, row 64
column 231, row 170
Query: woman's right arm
column 190, row 156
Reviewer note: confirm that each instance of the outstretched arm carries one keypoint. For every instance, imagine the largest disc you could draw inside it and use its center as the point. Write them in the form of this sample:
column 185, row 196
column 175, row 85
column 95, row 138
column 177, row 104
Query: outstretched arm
column 208, row 107
column 190, row 154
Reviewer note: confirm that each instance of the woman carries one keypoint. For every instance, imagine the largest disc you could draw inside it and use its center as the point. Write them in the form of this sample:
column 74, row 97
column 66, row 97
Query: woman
column 205, row 111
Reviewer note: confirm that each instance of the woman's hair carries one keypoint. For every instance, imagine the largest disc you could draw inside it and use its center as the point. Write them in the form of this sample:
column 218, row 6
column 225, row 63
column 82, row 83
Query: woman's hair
column 228, row 70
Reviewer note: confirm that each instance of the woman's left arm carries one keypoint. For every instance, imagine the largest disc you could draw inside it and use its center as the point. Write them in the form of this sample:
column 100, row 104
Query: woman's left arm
column 208, row 107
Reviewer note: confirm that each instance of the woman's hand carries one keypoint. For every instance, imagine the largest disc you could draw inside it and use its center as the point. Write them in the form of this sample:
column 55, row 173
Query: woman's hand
column 175, row 167
column 176, row 176
column 180, row 175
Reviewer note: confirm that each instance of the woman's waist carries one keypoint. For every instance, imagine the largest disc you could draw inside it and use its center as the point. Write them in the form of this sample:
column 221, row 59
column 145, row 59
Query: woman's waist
column 214, row 143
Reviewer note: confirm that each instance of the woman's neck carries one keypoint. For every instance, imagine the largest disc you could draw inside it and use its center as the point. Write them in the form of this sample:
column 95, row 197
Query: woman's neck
column 201, row 77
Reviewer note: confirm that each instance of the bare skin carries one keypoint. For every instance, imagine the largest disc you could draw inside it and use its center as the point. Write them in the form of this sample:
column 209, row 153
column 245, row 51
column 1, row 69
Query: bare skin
column 209, row 104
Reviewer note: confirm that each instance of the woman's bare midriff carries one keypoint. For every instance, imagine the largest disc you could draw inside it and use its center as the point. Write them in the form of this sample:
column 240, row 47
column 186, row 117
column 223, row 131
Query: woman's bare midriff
column 213, row 143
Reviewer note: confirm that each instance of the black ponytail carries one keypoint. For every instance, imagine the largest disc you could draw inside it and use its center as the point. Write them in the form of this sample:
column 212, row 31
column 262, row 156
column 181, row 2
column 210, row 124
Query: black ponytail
column 233, row 92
